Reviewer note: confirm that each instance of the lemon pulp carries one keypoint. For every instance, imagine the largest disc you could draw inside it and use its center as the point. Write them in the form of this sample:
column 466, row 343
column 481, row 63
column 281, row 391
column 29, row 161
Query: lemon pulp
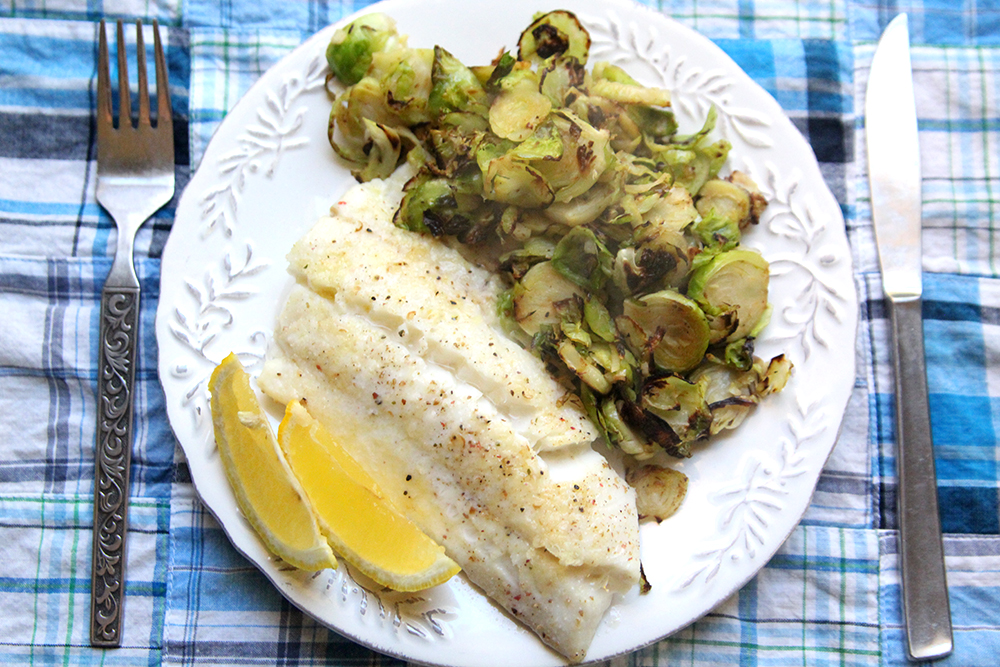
column 267, row 492
column 361, row 525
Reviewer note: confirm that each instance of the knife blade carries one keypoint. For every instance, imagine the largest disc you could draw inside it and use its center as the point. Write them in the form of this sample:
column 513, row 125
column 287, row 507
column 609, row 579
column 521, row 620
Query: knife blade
column 894, row 177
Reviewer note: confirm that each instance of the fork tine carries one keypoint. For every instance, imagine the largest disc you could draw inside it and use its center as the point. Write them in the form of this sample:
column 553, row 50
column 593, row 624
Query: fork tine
column 140, row 46
column 104, row 115
column 163, row 113
column 124, row 96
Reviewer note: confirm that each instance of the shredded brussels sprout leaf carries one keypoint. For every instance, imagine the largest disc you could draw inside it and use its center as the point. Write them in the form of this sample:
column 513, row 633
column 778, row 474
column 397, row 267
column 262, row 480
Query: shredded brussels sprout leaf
column 617, row 235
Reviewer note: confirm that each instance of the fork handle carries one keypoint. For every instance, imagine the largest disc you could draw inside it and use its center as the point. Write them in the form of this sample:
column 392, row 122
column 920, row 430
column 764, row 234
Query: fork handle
column 115, row 380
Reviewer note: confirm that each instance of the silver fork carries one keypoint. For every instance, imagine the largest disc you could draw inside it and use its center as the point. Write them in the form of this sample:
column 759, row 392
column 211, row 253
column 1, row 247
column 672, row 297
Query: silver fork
column 135, row 178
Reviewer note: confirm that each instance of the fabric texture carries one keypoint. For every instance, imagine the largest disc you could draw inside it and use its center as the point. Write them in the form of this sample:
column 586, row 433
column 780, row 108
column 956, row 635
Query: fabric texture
column 831, row 594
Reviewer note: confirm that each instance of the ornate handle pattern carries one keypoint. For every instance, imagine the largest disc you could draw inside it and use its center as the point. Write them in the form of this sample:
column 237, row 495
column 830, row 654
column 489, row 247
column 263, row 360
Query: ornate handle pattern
column 116, row 376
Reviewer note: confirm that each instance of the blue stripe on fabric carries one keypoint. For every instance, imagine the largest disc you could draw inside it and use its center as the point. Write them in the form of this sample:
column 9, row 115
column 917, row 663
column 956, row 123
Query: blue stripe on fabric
column 827, row 73
column 51, row 353
column 947, row 21
column 757, row 58
column 91, row 210
column 747, row 602
column 746, row 14
column 821, row 563
column 47, row 99
column 963, row 415
column 968, row 510
column 75, row 57
column 964, row 441
column 209, row 564
column 974, row 620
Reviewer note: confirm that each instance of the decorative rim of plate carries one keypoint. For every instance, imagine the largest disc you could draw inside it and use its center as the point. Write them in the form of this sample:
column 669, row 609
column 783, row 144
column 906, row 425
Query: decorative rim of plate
column 755, row 509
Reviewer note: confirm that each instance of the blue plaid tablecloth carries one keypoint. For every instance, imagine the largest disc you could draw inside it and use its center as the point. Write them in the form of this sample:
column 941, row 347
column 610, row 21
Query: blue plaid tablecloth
column 829, row 597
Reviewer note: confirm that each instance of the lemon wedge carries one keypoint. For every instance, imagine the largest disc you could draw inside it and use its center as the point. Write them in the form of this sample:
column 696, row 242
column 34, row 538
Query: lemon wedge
column 359, row 522
column 267, row 492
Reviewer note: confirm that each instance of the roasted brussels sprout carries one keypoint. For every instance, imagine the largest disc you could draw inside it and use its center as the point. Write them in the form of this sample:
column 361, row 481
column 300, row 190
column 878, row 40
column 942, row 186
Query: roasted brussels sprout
column 536, row 296
column 582, row 258
column 555, row 34
column 616, row 234
column 681, row 404
column 352, row 47
column 675, row 329
column 454, row 87
column 733, row 281
column 659, row 492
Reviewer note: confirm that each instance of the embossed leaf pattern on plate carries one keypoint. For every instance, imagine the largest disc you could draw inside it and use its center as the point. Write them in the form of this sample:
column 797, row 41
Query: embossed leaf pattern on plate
column 261, row 145
column 206, row 313
column 745, row 506
column 749, row 504
column 751, row 496
column 694, row 89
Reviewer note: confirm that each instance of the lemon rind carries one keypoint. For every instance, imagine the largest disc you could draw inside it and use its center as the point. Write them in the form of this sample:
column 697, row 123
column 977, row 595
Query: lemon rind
column 317, row 557
column 438, row 572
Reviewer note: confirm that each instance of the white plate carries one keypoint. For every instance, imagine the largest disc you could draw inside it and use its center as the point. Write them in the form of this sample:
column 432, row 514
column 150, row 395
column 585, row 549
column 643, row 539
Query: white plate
column 269, row 173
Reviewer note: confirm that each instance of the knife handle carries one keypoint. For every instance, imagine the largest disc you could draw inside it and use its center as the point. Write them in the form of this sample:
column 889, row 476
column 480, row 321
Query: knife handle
column 926, row 609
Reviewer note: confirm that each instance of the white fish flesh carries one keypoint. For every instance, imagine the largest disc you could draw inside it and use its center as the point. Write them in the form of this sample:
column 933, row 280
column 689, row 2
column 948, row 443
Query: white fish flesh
column 393, row 341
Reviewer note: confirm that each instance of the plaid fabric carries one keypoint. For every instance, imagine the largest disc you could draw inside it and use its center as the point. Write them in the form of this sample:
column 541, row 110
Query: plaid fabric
column 829, row 597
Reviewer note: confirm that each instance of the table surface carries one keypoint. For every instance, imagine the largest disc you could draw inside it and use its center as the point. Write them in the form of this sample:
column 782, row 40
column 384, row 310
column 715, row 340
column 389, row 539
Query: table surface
column 829, row 597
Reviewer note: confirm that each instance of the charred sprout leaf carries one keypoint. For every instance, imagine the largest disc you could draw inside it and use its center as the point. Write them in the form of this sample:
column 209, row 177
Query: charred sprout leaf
column 455, row 87
column 620, row 434
column 757, row 201
column 599, row 320
column 616, row 233
column 351, row 47
column 659, row 492
column 681, row 404
column 583, row 259
column 503, row 67
column 670, row 211
column 613, row 83
column 585, row 156
column 509, row 180
column 405, row 76
column 644, row 585
column 735, row 280
column 656, row 432
column 674, row 328
column 555, row 34
column 383, row 146
column 544, row 143
column 725, row 200
column 739, row 354
column 718, row 233
column 560, row 77
column 352, row 110
column 657, row 124
column 776, row 376
column 428, row 205
column 581, row 363
column 700, row 137
column 536, row 296
column 732, row 393
column 519, row 108
column 693, row 160
column 518, row 261
column 585, row 208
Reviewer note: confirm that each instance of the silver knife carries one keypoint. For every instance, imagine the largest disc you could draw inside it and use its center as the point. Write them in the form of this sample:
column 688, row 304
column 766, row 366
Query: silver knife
column 894, row 176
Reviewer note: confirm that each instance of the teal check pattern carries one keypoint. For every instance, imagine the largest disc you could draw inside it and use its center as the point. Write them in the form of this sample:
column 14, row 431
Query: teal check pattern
column 829, row 597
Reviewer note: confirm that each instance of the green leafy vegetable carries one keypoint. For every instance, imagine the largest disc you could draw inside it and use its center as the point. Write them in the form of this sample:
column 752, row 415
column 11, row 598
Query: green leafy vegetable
column 615, row 232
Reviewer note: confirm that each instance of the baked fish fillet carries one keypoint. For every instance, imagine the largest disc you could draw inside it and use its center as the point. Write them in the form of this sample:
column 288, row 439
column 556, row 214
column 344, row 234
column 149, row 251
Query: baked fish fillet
column 393, row 342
